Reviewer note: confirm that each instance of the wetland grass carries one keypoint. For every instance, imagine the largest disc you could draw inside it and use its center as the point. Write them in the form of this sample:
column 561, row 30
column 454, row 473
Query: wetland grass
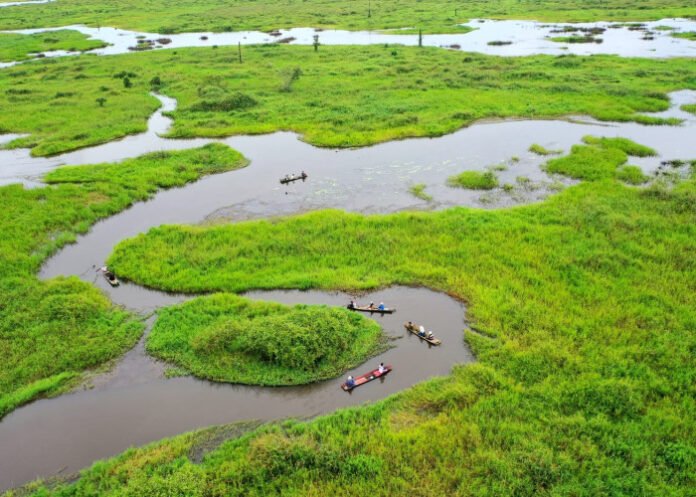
column 418, row 191
column 421, row 92
column 539, row 150
column 51, row 331
column 15, row 47
column 434, row 16
column 474, row 180
column 584, row 382
column 599, row 158
column 688, row 35
column 228, row 338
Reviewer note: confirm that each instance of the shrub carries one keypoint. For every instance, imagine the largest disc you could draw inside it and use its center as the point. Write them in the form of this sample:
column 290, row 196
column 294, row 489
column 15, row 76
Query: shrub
column 474, row 180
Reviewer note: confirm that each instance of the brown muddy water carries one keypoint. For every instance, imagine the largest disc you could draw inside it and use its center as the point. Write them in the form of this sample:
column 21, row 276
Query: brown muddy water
column 135, row 404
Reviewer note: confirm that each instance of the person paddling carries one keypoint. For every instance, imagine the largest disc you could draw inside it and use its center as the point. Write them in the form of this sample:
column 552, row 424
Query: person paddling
column 381, row 368
column 350, row 382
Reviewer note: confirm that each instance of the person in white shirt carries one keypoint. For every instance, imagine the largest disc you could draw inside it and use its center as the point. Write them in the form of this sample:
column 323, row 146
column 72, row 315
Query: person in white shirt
column 381, row 368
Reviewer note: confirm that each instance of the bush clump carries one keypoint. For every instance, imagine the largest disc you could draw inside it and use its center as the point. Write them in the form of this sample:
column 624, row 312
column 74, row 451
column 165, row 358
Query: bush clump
column 474, row 180
column 599, row 158
column 238, row 101
column 229, row 338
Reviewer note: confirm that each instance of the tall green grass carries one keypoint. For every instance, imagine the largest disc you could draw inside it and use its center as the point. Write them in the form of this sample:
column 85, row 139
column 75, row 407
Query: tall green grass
column 220, row 15
column 51, row 331
column 232, row 339
column 585, row 307
column 385, row 93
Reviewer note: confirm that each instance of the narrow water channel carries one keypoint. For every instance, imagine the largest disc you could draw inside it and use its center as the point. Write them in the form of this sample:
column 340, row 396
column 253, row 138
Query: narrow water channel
column 135, row 404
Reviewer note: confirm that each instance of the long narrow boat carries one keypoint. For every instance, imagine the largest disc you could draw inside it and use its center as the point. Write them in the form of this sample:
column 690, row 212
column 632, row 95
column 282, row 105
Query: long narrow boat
column 111, row 278
column 367, row 377
column 413, row 328
column 288, row 179
column 367, row 308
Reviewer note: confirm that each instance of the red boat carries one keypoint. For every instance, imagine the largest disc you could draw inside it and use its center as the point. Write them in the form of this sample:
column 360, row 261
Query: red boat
column 367, row 377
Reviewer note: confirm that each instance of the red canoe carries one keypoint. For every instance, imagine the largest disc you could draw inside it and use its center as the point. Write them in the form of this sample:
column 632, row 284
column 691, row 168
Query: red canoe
column 367, row 377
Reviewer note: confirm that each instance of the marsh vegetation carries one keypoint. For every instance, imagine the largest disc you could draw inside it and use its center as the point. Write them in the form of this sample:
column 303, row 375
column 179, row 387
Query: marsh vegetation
column 435, row 16
column 474, row 180
column 417, row 92
column 583, row 307
column 16, row 47
column 228, row 338
column 51, row 331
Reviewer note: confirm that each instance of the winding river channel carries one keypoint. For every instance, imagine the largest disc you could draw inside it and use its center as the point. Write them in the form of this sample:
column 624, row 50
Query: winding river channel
column 134, row 403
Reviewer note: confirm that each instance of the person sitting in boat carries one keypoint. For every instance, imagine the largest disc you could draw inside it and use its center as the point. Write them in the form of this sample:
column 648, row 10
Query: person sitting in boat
column 372, row 305
column 292, row 176
column 303, row 175
column 381, row 368
column 430, row 334
column 421, row 331
column 350, row 382
column 381, row 306
column 351, row 305
column 410, row 325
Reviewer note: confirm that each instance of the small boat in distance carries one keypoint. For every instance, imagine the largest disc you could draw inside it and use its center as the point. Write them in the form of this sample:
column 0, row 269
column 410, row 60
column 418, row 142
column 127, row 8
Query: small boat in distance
column 370, row 308
column 366, row 378
column 414, row 328
column 292, row 177
column 110, row 276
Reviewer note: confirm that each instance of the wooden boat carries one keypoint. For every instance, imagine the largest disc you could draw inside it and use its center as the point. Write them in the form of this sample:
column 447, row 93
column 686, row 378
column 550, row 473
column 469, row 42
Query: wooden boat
column 111, row 278
column 413, row 328
column 367, row 308
column 288, row 179
column 367, row 377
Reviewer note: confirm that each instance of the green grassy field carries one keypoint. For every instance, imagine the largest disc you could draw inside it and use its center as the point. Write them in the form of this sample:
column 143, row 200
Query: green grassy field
column 585, row 307
column 224, row 15
column 228, row 338
column 689, row 108
column 20, row 47
column 386, row 93
column 51, row 331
